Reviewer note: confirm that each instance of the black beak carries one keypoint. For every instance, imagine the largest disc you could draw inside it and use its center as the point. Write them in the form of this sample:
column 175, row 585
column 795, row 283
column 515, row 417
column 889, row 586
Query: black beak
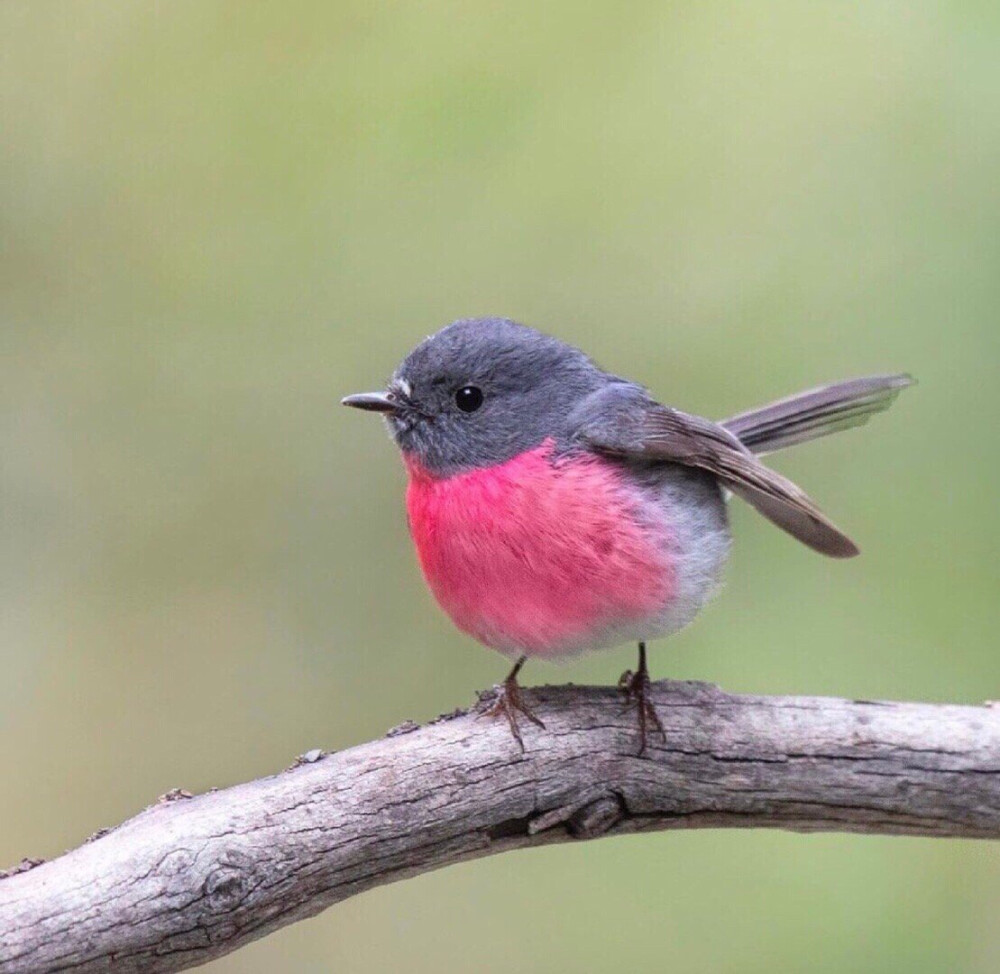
column 375, row 402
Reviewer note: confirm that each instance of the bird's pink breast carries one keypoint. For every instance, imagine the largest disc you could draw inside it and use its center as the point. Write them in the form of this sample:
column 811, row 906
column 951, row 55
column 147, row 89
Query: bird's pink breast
column 538, row 555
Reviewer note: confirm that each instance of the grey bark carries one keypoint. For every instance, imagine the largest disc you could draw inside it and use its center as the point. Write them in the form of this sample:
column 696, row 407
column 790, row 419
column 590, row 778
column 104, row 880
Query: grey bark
column 191, row 879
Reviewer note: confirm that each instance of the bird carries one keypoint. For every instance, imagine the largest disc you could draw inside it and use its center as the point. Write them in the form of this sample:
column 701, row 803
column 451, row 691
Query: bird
column 557, row 508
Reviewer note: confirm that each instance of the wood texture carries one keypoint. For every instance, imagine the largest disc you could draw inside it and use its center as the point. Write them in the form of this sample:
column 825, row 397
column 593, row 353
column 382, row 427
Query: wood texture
column 190, row 879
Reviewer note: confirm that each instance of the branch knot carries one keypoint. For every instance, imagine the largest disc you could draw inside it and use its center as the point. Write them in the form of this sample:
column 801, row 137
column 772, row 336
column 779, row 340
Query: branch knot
column 228, row 882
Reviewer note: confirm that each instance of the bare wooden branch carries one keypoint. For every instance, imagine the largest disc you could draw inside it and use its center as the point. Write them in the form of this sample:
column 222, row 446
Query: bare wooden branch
column 190, row 879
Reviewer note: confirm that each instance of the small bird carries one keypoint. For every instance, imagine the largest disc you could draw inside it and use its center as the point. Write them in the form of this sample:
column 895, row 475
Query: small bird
column 557, row 508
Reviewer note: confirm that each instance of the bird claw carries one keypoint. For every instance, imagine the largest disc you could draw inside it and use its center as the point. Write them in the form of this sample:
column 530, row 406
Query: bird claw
column 636, row 688
column 509, row 703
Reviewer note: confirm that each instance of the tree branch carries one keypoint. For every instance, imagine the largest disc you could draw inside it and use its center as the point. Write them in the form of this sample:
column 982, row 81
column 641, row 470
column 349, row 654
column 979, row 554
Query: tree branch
column 191, row 879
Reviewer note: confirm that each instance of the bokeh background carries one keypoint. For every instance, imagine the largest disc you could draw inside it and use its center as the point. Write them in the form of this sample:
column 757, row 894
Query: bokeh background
column 219, row 217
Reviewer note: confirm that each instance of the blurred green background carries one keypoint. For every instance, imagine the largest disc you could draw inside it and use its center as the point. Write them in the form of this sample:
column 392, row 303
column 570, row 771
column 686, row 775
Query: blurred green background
column 218, row 218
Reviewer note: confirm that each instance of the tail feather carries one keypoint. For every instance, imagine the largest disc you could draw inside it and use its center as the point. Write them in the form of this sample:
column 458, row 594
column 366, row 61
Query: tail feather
column 818, row 412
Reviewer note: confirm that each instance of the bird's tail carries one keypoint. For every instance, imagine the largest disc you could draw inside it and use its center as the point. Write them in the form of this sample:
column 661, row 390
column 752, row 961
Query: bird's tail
column 818, row 412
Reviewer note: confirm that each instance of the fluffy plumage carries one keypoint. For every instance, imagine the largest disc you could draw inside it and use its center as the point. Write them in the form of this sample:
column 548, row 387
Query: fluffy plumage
column 543, row 555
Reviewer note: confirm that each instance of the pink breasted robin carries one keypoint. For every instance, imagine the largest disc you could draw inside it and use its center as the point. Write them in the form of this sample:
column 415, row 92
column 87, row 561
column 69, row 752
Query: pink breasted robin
column 557, row 508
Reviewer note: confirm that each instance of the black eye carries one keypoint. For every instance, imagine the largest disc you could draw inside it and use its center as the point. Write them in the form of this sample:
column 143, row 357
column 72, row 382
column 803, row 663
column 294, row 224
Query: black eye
column 469, row 398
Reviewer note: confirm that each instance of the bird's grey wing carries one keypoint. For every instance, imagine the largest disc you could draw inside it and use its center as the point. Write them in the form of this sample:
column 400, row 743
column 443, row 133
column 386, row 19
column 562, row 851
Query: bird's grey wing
column 621, row 420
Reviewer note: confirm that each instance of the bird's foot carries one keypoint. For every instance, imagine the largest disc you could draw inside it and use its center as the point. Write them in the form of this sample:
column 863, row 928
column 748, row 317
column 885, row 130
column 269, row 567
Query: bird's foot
column 636, row 688
column 509, row 703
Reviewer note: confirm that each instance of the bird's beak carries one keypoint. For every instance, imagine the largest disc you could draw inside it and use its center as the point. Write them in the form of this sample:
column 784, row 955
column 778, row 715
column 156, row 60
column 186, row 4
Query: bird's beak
column 375, row 402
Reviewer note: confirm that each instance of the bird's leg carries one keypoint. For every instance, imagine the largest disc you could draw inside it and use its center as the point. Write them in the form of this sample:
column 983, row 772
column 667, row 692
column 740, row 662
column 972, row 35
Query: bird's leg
column 635, row 686
column 509, row 703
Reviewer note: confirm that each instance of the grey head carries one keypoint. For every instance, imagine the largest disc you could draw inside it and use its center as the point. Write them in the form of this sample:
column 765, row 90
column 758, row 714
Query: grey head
column 481, row 391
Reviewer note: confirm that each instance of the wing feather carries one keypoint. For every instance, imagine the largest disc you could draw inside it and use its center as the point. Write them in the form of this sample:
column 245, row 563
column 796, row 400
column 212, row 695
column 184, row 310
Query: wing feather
column 636, row 426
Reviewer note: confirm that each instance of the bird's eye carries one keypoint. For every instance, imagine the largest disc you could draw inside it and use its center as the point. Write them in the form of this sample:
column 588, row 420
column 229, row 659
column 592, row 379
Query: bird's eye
column 469, row 398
